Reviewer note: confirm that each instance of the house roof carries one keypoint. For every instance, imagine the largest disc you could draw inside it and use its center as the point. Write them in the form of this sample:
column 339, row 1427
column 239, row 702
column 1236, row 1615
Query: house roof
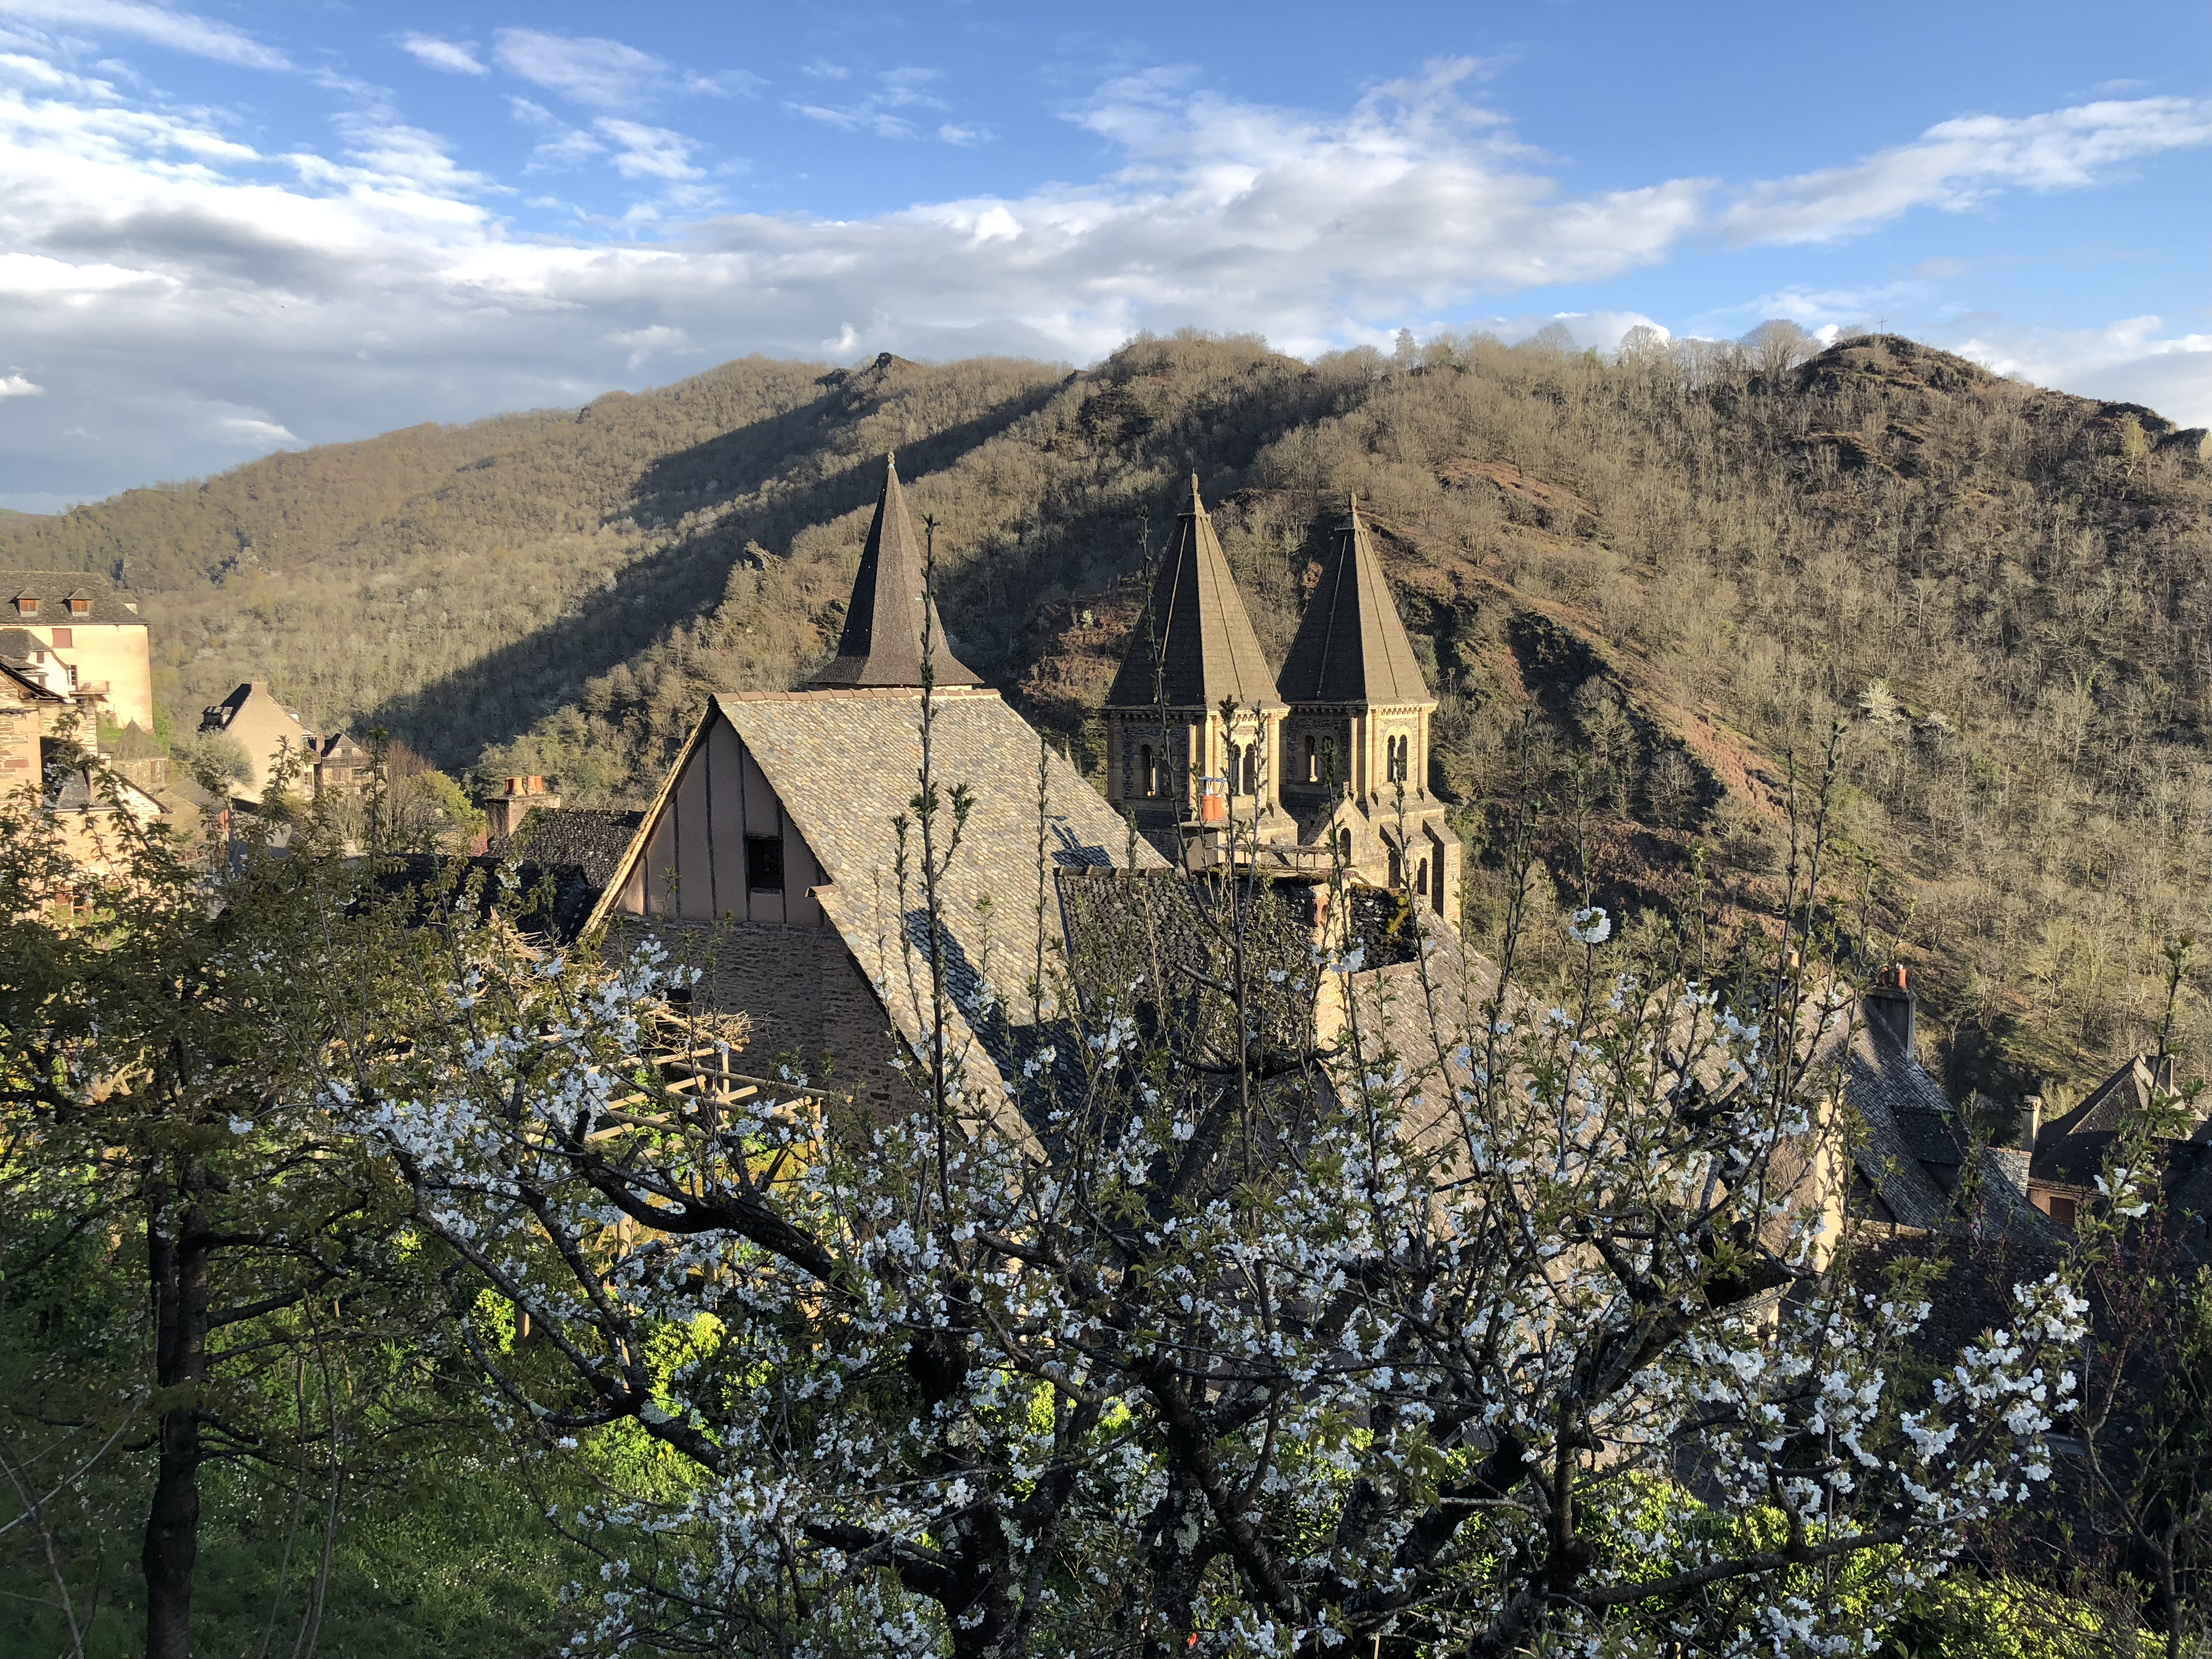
column 844, row 762
column 27, row 685
column 1911, row 1124
column 1207, row 650
column 882, row 641
column 2128, row 1094
column 590, row 840
column 218, row 717
column 1351, row 646
column 54, row 588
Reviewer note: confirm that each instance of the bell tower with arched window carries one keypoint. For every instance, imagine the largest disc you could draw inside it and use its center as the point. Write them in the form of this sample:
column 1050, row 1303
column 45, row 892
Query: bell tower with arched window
column 1357, row 730
column 1193, row 721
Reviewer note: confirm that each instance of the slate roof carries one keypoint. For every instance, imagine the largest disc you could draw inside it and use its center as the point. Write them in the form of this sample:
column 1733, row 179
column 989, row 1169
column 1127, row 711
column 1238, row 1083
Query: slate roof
column 218, row 717
column 53, row 588
column 1911, row 1126
column 590, row 839
column 1350, row 646
column 551, row 902
column 2070, row 1150
column 882, row 641
column 844, row 764
column 29, row 684
column 1206, row 648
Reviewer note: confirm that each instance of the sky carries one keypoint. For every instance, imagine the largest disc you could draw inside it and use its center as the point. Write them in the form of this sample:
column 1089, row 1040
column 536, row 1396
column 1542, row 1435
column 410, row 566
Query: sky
column 260, row 225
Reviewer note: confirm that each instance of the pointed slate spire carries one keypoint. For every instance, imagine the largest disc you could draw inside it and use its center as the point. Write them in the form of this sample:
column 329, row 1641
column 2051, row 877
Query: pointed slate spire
column 882, row 641
column 1351, row 647
column 1207, row 650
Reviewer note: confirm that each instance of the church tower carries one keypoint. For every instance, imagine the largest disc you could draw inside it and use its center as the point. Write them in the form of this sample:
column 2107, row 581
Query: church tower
column 881, row 645
column 1356, row 732
column 1171, row 755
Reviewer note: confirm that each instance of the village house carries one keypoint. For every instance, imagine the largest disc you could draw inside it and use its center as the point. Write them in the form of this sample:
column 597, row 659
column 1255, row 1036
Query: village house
column 96, row 636
column 269, row 734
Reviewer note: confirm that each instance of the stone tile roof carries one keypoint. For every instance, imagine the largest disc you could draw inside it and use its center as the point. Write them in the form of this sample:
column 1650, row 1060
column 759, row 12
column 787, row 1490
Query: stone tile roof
column 27, row 685
column 1351, row 646
column 590, row 840
column 53, row 589
column 1909, row 1124
column 551, row 902
column 1206, row 648
column 882, row 641
column 844, row 764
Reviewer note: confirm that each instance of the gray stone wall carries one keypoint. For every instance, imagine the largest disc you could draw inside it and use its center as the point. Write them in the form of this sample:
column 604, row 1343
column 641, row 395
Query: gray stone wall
column 808, row 1001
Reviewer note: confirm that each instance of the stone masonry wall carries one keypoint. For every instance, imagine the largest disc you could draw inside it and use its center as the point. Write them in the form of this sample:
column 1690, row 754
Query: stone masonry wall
column 808, row 1001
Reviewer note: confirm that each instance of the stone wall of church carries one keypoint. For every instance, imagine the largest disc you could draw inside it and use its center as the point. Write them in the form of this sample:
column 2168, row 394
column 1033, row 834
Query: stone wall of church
column 806, row 995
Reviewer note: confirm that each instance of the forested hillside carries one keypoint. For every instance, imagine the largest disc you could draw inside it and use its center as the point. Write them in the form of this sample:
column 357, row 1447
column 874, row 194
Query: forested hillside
column 1689, row 563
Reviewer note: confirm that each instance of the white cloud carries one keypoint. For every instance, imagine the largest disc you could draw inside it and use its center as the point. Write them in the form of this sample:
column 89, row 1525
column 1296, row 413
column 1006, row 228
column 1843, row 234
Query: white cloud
column 1956, row 165
column 647, row 152
column 602, row 73
column 455, row 57
column 193, row 296
column 647, row 342
column 2134, row 360
column 15, row 386
column 252, row 431
column 896, row 90
column 159, row 26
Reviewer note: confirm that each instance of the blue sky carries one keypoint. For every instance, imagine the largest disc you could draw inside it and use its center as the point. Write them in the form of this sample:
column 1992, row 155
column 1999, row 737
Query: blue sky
column 250, row 226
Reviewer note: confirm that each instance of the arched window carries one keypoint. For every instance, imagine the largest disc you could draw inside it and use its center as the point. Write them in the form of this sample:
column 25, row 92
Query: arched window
column 1251, row 768
column 1343, row 845
column 1328, row 758
column 1313, row 761
column 1397, row 868
column 1421, row 879
column 1145, row 770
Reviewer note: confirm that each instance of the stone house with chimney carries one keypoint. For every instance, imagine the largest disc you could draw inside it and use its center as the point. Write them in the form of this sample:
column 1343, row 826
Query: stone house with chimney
column 1326, row 758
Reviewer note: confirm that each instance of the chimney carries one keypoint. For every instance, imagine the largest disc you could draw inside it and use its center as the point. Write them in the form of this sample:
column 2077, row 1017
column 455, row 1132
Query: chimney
column 1890, row 1005
column 2011, row 1157
column 515, row 801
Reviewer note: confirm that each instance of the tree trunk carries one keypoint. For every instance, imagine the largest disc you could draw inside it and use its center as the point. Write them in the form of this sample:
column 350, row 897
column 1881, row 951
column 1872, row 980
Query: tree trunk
column 176, row 1263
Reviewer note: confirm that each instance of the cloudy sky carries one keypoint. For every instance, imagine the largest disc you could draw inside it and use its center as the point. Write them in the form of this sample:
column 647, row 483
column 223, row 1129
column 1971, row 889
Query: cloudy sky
column 273, row 222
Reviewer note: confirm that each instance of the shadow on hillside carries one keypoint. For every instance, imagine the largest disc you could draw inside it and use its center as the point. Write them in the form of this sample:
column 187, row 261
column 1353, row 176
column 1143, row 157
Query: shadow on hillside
column 1083, row 538
column 503, row 693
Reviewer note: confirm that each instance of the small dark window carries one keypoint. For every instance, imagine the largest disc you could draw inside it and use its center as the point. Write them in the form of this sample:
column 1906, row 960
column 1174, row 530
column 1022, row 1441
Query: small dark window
column 764, row 863
column 1313, row 763
column 2062, row 1209
column 1144, row 769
